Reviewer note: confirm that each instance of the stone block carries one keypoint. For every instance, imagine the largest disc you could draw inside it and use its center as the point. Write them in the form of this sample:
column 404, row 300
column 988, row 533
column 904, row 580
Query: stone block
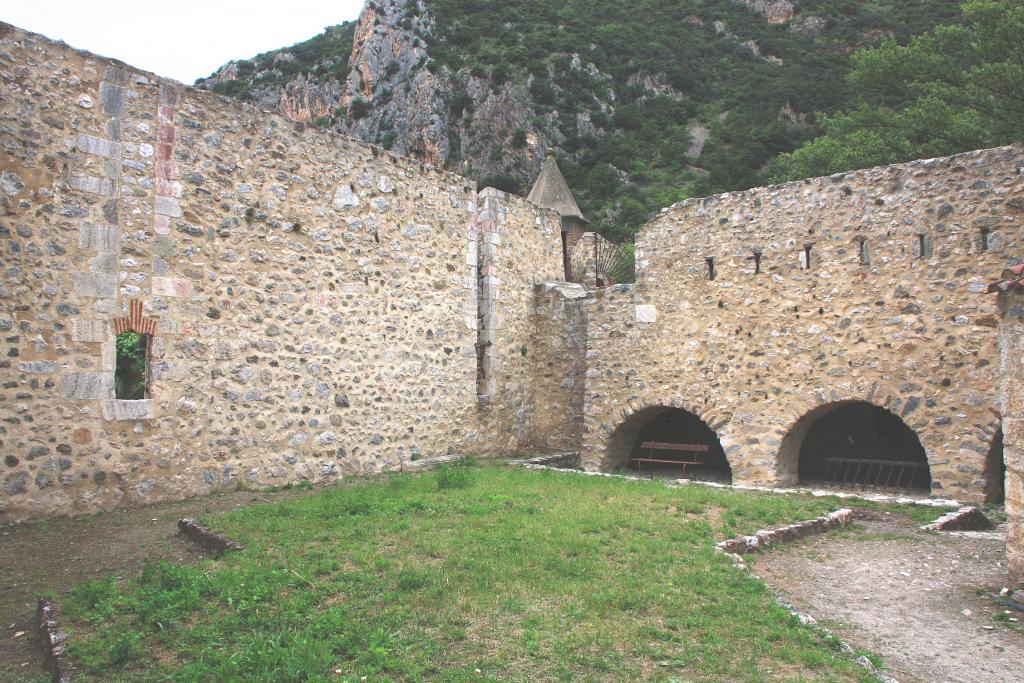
column 39, row 366
column 91, row 331
column 87, row 386
column 95, row 285
column 108, row 356
column 118, row 409
column 162, row 225
column 112, row 99
column 165, row 114
column 167, row 133
column 97, row 236
column 98, row 146
column 91, row 184
column 170, row 95
column 115, row 75
column 161, row 268
column 171, row 286
column 167, row 170
column 104, row 262
column 646, row 313
column 168, row 188
column 345, row 197
column 167, row 206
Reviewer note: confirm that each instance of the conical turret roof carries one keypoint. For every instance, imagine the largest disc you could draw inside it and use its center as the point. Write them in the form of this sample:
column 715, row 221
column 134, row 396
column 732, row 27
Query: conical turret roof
column 551, row 192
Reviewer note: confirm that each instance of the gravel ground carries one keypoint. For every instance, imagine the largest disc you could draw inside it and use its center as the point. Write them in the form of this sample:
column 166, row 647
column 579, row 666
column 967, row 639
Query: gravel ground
column 910, row 596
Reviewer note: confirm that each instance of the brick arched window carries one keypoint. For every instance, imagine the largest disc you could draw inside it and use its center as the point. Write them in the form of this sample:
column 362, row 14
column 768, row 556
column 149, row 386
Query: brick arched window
column 133, row 332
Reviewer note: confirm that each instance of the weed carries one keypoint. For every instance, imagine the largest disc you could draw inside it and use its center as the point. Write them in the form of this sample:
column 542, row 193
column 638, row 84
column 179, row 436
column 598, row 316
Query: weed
column 458, row 475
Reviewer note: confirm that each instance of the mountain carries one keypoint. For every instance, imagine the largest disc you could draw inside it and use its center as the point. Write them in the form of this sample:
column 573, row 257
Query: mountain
column 645, row 102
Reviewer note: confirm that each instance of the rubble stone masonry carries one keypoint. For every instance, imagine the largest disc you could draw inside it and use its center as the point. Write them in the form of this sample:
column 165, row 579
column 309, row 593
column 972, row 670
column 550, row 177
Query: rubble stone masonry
column 323, row 308
column 890, row 310
column 315, row 298
column 1011, row 390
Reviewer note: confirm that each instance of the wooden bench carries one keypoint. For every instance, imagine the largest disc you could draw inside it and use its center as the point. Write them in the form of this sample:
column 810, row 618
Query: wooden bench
column 694, row 449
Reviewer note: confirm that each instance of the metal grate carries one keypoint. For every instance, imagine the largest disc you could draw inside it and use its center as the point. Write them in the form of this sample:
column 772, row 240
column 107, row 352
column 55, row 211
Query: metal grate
column 597, row 263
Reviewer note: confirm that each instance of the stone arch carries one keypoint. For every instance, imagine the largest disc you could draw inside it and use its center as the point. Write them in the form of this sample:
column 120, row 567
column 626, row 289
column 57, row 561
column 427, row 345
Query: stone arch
column 136, row 321
column 853, row 442
column 670, row 421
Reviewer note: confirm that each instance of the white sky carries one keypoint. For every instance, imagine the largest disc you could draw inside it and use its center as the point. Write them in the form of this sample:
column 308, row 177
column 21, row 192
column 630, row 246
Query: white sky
column 182, row 39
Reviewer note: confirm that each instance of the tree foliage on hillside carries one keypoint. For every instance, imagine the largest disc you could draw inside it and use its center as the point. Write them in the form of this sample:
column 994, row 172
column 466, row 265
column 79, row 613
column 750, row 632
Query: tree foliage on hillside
column 957, row 88
column 645, row 72
column 321, row 58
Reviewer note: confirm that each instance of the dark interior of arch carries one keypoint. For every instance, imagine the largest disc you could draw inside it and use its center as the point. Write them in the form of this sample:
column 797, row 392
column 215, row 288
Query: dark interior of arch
column 995, row 470
column 682, row 427
column 860, row 444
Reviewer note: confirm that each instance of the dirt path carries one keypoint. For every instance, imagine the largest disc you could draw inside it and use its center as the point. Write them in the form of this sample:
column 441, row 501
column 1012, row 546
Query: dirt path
column 53, row 556
column 908, row 595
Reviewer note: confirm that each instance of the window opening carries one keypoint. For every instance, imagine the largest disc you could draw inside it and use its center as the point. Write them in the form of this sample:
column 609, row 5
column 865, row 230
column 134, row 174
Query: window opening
column 757, row 262
column 710, row 260
column 131, row 380
column 862, row 249
column 924, row 246
column 984, row 239
column 805, row 257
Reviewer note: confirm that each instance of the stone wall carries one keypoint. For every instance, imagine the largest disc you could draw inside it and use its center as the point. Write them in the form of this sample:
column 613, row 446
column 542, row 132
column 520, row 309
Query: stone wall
column 558, row 364
column 314, row 299
column 520, row 246
column 1011, row 391
column 888, row 312
column 320, row 308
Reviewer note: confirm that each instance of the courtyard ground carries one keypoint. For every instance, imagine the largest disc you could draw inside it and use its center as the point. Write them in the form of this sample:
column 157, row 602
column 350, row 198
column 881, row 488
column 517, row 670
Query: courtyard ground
column 911, row 596
column 50, row 557
column 464, row 574
column 483, row 573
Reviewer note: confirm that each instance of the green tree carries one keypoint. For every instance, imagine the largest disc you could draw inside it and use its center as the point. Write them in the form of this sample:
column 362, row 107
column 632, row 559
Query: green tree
column 957, row 88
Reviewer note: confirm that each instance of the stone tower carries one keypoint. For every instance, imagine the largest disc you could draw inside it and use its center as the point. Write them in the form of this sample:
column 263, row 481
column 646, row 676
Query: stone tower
column 550, row 191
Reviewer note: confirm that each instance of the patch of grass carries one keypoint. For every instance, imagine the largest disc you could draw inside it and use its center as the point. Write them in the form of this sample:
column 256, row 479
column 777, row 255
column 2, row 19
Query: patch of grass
column 458, row 475
column 520, row 575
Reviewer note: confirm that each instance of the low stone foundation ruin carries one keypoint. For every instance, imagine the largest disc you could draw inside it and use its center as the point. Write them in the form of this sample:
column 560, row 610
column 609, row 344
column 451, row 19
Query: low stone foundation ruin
column 316, row 308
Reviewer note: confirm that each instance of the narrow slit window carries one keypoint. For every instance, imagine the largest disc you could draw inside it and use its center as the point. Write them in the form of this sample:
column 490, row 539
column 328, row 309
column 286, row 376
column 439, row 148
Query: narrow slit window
column 984, row 239
column 131, row 379
column 805, row 257
column 757, row 262
column 710, row 261
column 862, row 250
column 924, row 246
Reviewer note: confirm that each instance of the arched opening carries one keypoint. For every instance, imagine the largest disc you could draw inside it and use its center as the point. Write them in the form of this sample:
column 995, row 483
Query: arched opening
column 666, row 425
column 995, row 470
column 858, row 444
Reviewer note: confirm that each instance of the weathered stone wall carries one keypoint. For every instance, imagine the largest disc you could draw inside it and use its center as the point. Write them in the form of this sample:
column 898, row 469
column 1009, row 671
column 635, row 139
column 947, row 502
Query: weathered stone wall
column 1011, row 404
column 323, row 308
column 315, row 299
column 520, row 246
column 752, row 354
column 558, row 364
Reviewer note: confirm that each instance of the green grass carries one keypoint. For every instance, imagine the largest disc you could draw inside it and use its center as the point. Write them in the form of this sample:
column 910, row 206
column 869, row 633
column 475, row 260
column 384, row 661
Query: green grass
column 467, row 574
